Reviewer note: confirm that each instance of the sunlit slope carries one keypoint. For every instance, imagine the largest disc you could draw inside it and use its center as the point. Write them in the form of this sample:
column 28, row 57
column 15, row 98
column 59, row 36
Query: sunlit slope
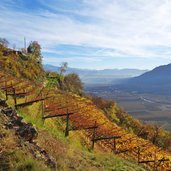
column 29, row 105
column 72, row 114
column 20, row 64
column 85, row 117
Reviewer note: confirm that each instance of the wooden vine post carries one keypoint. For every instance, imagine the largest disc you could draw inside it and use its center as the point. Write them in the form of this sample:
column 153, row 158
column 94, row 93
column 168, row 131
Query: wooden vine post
column 155, row 161
column 27, row 103
column 15, row 98
column 94, row 135
column 6, row 94
column 43, row 109
column 67, row 124
column 138, row 155
column 95, row 139
column 61, row 115
column 6, row 91
column 114, row 145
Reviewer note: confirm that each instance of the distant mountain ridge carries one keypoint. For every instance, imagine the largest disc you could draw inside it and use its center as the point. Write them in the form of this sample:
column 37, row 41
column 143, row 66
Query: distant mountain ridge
column 156, row 81
column 106, row 76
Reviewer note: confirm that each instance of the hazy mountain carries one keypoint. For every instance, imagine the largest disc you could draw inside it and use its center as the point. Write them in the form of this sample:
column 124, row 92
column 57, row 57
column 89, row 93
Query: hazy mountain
column 106, row 76
column 156, row 81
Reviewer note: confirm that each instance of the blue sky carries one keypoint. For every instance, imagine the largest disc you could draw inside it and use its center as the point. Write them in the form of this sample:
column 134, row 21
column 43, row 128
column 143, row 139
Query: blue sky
column 94, row 34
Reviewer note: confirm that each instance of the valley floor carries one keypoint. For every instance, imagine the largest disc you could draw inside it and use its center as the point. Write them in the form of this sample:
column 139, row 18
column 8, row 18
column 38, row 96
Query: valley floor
column 149, row 108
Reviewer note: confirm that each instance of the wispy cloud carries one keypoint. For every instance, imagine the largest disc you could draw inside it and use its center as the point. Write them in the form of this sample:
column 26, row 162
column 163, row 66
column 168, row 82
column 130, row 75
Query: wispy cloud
column 113, row 28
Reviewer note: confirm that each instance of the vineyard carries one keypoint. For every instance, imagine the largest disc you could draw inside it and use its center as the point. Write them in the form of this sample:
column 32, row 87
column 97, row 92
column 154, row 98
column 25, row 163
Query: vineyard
column 80, row 114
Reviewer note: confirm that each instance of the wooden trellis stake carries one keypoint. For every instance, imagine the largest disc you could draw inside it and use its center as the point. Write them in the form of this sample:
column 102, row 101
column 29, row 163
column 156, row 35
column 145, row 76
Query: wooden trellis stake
column 94, row 135
column 138, row 155
column 121, row 151
column 155, row 161
column 6, row 94
column 95, row 139
column 15, row 97
column 43, row 110
column 17, row 94
column 151, row 161
column 67, row 124
column 30, row 102
column 6, row 91
column 57, row 115
column 162, row 160
column 106, row 138
column 114, row 145
column 83, row 128
column 61, row 115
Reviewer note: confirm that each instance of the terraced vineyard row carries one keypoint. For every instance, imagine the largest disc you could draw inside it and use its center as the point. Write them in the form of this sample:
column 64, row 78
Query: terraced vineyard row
column 81, row 114
column 108, row 135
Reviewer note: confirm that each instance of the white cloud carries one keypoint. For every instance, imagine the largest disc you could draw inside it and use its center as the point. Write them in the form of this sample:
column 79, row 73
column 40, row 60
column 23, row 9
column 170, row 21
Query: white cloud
column 120, row 27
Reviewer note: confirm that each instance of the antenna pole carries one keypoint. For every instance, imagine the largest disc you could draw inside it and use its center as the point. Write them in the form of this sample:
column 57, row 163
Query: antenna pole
column 25, row 44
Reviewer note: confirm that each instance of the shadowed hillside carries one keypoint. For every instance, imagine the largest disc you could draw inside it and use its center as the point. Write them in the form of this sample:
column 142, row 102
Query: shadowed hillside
column 157, row 81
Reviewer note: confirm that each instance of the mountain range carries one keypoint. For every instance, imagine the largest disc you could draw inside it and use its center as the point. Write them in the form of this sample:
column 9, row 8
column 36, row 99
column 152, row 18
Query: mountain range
column 157, row 81
column 100, row 77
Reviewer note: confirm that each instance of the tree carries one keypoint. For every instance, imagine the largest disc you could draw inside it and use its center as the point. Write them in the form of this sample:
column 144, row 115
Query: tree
column 34, row 48
column 73, row 83
column 102, row 103
column 4, row 42
column 63, row 68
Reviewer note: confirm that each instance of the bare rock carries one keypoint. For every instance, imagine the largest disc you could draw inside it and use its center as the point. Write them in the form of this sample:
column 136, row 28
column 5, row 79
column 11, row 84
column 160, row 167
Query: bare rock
column 8, row 111
column 17, row 121
column 8, row 125
column 27, row 132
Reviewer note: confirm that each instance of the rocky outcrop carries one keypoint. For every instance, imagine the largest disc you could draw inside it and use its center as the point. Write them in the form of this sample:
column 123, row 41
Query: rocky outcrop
column 41, row 154
column 8, row 111
column 26, row 133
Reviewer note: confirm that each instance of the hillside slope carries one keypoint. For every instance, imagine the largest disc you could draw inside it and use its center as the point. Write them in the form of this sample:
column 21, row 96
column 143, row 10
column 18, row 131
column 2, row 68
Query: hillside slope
column 68, row 156
column 75, row 132
column 13, row 146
